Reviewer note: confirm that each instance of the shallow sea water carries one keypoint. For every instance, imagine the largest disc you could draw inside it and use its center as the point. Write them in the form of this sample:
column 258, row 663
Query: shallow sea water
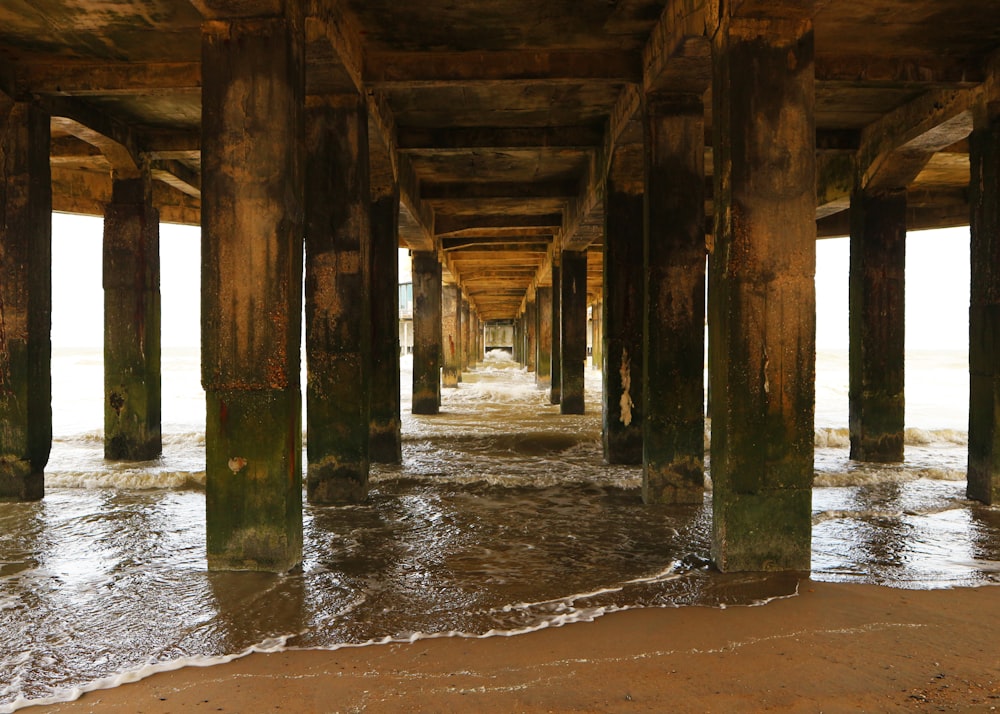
column 501, row 519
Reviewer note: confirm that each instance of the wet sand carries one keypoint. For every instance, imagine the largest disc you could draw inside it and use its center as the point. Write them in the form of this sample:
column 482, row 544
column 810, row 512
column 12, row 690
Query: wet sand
column 833, row 648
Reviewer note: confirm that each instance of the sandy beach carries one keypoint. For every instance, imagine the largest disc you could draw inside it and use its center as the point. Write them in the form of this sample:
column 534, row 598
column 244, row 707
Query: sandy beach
column 833, row 648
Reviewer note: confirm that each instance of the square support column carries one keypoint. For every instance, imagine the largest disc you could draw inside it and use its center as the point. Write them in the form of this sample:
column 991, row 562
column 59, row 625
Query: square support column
column 384, row 433
column 253, row 160
column 984, row 310
column 451, row 335
column 622, row 302
column 132, row 322
column 338, row 299
column 543, row 360
column 555, row 366
column 426, row 333
column 674, row 403
column 877, row 322
column 531, row 333
column 574, row 331
column 26, row 298
column 466, row 323
column 597, row 335
column 762, row 307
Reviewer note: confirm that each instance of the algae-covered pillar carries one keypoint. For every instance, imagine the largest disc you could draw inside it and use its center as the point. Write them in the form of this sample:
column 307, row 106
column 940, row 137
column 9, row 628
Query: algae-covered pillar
column 674, row 403
column 574, row 331
column 543, row 316
column 531, row 333
column 466, row 323
column 451, row 335
column 762, row 305
column 622, row 305
column 384, row 433
column 132, row 321
column 555, row 366
column 876, row 324
column 597, row 335
column 253, row 162
column 26, row 298
column 426, row 333
column 338, row 299
column 984, row 310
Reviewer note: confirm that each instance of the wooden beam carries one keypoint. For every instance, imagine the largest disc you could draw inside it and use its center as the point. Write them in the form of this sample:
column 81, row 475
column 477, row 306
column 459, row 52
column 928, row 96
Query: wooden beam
column 178, row 175
column 677, row 57
column 430, row 69
column 461, row 191
column 499, row 138
column 114, row 138
column 86, row 78
column 926, row 71
column 446, row 225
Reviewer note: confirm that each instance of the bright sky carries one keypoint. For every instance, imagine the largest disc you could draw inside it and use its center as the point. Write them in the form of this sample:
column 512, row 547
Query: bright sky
column 937, row 286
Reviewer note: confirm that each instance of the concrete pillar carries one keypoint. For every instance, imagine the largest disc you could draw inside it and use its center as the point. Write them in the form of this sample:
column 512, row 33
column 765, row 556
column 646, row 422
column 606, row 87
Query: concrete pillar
column 132, row 322
column 555, row 366
column 574, row 331
column 253, row 160
column 674, row 398
column 531, row 333
column 622, row 304
column 338, row 300
column 877, row 303
column 26, row 297
column 984, row 310
column 475, row 342
column 466, row 335
column 762, row 306
column 543, row 360
column 597, row 335
column 451, row 335
column 426, row 333
column 384, row 437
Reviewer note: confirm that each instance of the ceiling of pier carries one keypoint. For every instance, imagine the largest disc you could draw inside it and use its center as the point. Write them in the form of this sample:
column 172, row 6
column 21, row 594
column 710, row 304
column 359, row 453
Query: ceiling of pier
column 497, row 117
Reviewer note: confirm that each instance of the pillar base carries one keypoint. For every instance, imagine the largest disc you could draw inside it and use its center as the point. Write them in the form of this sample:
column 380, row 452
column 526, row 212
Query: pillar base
column 682, row 481
column 253, row 489
column 766, row 531
column 18, row 483
column 384, row 443
column 335, row 482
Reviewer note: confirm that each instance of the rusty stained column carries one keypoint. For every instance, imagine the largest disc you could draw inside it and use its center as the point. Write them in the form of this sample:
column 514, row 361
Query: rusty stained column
column 475, row 341
column 338, row 299
column 531, row 333
column 622, row 307
column 984, row 310
column 426, row 333
column 674, row 397
column 131, row 322
column 451, row 335
column 26, row 299
column 876, row 318
column 384, row 433
column 516, row 348
column 555, row 365
column 762, row 306
column 574, row 331
column 597, row 335
column 543, row 359
column 253, row 161
column 466, row 337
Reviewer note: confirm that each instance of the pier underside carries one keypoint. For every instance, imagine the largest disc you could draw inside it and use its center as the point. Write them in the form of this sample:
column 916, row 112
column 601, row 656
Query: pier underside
column 539, row 160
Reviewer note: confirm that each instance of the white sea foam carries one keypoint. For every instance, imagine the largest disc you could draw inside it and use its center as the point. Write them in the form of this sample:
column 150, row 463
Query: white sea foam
column 133, row 479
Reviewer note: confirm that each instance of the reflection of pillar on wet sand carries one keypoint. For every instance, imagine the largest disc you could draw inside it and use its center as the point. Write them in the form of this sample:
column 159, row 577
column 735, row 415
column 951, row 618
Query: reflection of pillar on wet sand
column 132, row 322
column 426, row 333
column 573, row 331
column 762, row 305
column 984, row 313
column 26, row 297
column 338, row 304
column 877, row 278
column 252, row 186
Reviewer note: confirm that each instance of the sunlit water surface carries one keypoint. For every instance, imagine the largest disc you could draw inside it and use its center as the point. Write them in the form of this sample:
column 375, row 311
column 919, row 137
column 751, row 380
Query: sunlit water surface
column 501, row 519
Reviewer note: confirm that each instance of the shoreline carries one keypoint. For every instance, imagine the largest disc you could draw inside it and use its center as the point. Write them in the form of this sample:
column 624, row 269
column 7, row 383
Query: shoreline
column 833, row 647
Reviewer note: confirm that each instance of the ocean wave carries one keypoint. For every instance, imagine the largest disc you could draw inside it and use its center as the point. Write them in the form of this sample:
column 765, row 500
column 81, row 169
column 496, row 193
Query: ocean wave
column 132, row 479
column 883, row 474
column 840, row 438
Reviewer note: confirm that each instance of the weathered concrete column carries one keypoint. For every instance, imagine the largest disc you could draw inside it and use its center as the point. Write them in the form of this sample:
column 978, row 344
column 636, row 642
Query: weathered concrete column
column 622, row 306
column 426, row 333
column 384, row 437
column 475, row 341
column 574, row 331
column 26, row 297
column 597, row 335
column 674, row 397
column 451, row 335
column 531, row 333
column 984, row 310
column 132, row 322
column 877, row 304
column 555, row 366
column 543, row 360
column 338, row 299
column 466, row 336
column 518, row 339
column 762, row 306
column 253, row 160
